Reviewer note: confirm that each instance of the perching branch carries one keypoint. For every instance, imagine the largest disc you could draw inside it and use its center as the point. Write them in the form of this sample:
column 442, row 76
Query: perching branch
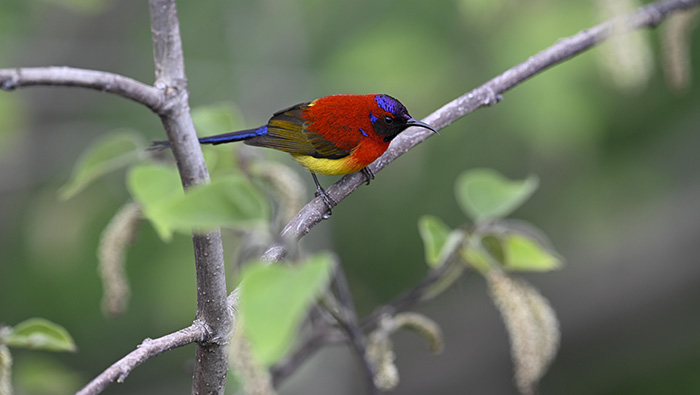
column 487, row 94
column 103, row 81
column 169, row 100
column 347, row 319
column 148, row 349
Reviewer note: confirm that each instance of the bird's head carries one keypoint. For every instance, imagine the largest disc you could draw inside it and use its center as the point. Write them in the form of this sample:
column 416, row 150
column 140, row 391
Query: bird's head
column 391, row 118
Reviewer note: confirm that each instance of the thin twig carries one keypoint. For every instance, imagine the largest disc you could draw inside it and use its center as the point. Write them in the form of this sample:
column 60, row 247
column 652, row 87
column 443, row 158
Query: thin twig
column 328, row 335
column 283, row 369
column 149, row 348
column 408, row 298
column 103, row 81
column 324, row 334
column 485, row 95
column 348, row 321
column 171, row 82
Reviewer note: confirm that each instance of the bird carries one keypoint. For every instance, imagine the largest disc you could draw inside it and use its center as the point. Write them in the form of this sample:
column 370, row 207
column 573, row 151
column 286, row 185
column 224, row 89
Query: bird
column 331, row 135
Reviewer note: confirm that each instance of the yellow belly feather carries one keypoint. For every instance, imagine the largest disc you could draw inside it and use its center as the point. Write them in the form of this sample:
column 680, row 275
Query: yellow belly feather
column 329, row 167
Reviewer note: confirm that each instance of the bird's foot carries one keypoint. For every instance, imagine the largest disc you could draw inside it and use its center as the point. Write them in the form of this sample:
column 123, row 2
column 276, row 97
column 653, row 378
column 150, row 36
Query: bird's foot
column 369, row 174
column 330, row 202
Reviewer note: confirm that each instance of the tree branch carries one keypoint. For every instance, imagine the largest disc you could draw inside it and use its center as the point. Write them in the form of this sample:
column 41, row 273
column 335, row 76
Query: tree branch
column 409, row 298
column 326, row 334
column 211, row 357
column 103, row 81
column 347, row 319
column 485, row 95
column 146, row 350
column 169, row 99
column 283, row 369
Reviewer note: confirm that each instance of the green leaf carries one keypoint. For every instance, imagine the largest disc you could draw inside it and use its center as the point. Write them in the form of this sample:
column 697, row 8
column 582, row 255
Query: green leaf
column 108, row 153
column 441, row 243
column 228, row 201
column 476, row 257
column 434, row 233
column 491, row 244
column 216, row 119
column 485, row 194
column 273, row 301
column 151, row 185
column 40, row 334
column 510, row 251
column 482, row 252
column 525, row 254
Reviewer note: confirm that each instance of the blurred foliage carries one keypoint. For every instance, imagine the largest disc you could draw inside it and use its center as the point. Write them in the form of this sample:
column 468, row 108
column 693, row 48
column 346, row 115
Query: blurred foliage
column 111, row 152
column 274, row 299
column 228, row 201
column 41, row 375
column 485, row 194
column 38, row 334
column 434, row 233
column 611, row 165
column 493, row 247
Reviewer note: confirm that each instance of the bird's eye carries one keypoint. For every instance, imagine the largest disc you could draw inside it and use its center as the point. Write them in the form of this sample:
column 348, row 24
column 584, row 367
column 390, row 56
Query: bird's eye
column 388, row 120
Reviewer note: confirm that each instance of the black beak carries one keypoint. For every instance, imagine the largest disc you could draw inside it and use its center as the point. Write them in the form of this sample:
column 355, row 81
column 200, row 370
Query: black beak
column 415, row 122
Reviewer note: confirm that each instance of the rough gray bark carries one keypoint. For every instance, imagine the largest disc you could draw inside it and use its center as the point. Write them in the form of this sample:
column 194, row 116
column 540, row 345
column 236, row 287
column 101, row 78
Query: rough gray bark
column 169, row 99
column 211, row 356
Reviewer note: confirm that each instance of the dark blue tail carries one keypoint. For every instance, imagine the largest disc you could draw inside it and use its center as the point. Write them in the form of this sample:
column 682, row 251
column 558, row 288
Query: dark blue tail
column 218, row 139
column 234, row 136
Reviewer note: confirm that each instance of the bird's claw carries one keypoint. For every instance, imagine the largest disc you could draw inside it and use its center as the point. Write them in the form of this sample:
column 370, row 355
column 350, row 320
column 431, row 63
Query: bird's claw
column 327, row 199
column 369, row 174
column 330, row 203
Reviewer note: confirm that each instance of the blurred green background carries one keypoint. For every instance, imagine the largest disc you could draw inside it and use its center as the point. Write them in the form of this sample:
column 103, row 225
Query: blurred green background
column 617, row 156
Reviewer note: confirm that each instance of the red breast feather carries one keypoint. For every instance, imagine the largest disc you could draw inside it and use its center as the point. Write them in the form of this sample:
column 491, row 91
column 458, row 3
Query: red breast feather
column 344, row 120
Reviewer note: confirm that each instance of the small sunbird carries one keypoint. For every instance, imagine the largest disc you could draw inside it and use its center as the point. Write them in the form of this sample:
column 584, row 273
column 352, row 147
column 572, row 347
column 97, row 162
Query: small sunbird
column 332, row 135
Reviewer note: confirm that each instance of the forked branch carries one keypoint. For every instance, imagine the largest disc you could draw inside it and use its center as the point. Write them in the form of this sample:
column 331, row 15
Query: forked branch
column 149, row 348
column 168, row 98
column 102, row 81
